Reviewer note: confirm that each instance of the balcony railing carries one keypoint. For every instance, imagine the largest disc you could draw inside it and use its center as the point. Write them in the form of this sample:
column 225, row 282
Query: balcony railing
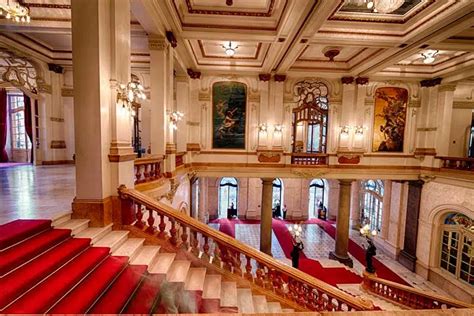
column 409, row 296
column 182, row 231
column 309, row 159
column 179, row 159
column 457, row 163
column 147, row 169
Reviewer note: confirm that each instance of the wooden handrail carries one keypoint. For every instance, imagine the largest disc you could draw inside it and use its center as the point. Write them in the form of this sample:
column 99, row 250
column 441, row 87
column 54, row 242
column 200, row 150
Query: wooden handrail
column 302, row 288
column 147, row 160
column 409, row 296
column 308, row 155
column 147, row 169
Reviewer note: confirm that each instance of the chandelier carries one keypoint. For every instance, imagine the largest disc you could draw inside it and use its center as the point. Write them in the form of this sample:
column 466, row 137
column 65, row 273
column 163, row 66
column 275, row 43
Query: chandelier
column 429, row 56
column 174, row 118
column 14, row 12
column 378, row 6
column 230, row 49
column 130, row 94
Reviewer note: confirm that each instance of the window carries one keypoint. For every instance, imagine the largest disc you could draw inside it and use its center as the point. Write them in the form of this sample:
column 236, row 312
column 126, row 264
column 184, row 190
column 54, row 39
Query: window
column 277, row 194
column 457, row 249
column 372, row 203
column 17, row 121
column 310, row 118
column 471, row 142
column 228, row 196
column 316, row 197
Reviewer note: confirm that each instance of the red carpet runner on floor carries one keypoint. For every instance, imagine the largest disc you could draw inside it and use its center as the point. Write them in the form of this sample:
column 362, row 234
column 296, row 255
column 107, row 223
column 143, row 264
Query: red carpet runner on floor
column 312, row 267
column 359, row 253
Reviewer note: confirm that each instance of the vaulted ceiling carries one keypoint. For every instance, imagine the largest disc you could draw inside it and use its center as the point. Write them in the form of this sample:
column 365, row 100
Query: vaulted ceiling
column 282, row 36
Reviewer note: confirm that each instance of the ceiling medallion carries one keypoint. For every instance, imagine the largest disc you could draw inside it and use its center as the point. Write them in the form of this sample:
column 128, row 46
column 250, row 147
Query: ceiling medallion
column 429, row 56
column 230, row 49
column 229, row 2
column 378, row 6
column 331, row 52
column 12, row 10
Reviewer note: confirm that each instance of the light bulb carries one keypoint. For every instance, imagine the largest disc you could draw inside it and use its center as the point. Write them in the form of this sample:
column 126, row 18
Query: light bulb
column 8, row 16
column 290, row 229
column 229, row 51
column 428, row 60
column 370, row 5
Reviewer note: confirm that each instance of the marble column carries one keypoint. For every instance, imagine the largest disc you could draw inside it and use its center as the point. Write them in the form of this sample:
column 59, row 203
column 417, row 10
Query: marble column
column 387, row 198
column 266, row 216
column 342, row 224
column 355, row 205
column 104, row 155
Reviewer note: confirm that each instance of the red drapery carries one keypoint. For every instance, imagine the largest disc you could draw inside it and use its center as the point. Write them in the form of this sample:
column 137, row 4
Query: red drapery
column 3, row 125
column 29, row 122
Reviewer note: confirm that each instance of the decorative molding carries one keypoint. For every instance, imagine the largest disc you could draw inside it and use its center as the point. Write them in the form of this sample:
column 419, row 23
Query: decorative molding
column 430, row 82
column 426, row 178
column 171, row 39
column 349, row 159
column 193, row 147
column 309, row 174
column 67, row 92
column 426, row 129
column 55, row 68
column 279, row 78
column 268, row 156
column 57, row 119
column 254, row 97
column 194, row 74
column 190, row 123
column 414, row 104
column 170, row 148
column 347, row 80
column 174, row 185
column 120, row 158
column 45, row 88
column 463, row 105
column 264, row 77
column 362, row 81
column 58, row 144
column 425, row 152
column 268, row 13
column 157, row 44
column 203, row 96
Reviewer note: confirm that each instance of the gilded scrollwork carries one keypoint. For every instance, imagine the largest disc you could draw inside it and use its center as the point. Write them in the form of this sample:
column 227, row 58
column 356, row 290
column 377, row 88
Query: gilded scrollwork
column 19, row 71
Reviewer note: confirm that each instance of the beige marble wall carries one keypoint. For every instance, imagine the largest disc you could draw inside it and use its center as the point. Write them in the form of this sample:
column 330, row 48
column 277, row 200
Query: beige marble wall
column 458, row 138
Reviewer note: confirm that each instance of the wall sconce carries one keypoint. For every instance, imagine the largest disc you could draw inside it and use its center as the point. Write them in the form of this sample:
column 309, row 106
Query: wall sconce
column 278, row 128
column 262, row 128
column 130, row 93
column 345, row 130
column 175, row 117
column 359, row 131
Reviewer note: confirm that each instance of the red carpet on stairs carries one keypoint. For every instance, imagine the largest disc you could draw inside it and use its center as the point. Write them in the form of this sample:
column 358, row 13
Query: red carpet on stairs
column 16, row 231
column 43, row 296
column 19, row 281
column 79, row 300
column 117, row 296
column 142, row 301
column 15, row 256
column 359, row 253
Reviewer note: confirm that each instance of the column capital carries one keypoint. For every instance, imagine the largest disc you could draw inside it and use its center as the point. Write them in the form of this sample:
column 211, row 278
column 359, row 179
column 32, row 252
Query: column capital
column 264, row 77
column 447, row 87
column 172, row 39
column 345, row 181
column 347, row 80
column 360, row 81
column 194, row 74
column 157, row 43
column 267, row 180
column 279, row 78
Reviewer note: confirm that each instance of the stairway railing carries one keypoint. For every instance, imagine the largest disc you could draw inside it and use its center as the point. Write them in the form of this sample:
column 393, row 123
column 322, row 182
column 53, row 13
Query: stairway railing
column 147, row 169
column 238, row 258
column 409, row 296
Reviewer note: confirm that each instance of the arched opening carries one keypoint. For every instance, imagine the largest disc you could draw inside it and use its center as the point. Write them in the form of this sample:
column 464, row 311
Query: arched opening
column 228, row 198
column 277, row 197
column 457, row 247
column 317, row 199
column 372, row 203
column 310, row 123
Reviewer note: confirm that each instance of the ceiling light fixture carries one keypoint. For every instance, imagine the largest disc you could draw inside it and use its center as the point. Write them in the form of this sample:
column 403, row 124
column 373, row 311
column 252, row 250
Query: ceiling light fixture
column 12, row 10
column 429, row 56
column 230, row 49
column 384, row 6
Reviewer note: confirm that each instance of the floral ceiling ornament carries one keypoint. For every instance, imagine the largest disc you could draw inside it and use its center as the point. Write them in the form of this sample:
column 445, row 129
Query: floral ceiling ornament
column 378, row 6
column 14, row 11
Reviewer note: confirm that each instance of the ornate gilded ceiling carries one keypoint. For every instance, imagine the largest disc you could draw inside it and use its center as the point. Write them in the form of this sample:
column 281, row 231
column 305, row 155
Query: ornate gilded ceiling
column 280, row 36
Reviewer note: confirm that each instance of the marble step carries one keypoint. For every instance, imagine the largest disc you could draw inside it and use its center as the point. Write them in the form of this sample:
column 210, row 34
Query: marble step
column 75, row 225
column 178, row 271
column 61, row 218
column 163, row 263
column 195, row 279
column 274, row 307
column 113, row 240
column 147, row 256
column 212, row 286
column 287, row 310
column 130, row 248
column 260, row 304
column 245, row 301
column 95, row 233
column 228, row 294
column 355, row 290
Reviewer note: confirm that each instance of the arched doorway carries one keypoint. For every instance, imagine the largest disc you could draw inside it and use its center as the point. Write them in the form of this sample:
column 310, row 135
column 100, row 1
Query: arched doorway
column 228, row 198
column 277, row 197
column 317, row 206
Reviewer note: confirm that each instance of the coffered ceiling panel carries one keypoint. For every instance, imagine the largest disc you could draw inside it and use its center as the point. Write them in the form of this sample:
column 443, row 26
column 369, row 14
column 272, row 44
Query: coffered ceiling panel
column 237, row 5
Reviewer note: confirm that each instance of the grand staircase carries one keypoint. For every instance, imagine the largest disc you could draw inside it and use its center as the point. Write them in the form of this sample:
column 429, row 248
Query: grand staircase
column 65, row 266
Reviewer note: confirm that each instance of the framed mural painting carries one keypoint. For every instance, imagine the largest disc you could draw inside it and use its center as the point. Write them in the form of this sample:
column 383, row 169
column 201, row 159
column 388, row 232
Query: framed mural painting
column 389, row 119
column 229, row 104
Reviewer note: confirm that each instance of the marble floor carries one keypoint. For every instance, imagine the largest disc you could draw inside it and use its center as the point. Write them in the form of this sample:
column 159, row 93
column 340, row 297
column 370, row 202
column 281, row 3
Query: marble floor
column 46, row 191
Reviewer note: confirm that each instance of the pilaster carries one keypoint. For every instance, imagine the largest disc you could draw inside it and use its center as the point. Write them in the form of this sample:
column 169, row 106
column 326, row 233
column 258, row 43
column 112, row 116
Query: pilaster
column 266, row 217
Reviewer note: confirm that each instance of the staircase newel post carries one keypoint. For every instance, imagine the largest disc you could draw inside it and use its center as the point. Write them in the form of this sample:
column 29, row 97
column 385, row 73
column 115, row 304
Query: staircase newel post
column 127, row 207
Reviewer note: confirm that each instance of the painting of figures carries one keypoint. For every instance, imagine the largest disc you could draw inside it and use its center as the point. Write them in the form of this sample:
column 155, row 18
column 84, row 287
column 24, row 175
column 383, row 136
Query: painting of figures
column 229, row 101
column 389, row 119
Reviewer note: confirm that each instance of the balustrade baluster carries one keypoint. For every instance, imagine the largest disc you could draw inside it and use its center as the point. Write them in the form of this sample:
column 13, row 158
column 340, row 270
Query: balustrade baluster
column 151, row 222
column 162, row 227
column 137, row 174
column 216, row 260
column 248, row 268
column 184, row 238
column 237, row 263
column 139, row 223
column 173, row 233
column 194, row 243
column 205, row 249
